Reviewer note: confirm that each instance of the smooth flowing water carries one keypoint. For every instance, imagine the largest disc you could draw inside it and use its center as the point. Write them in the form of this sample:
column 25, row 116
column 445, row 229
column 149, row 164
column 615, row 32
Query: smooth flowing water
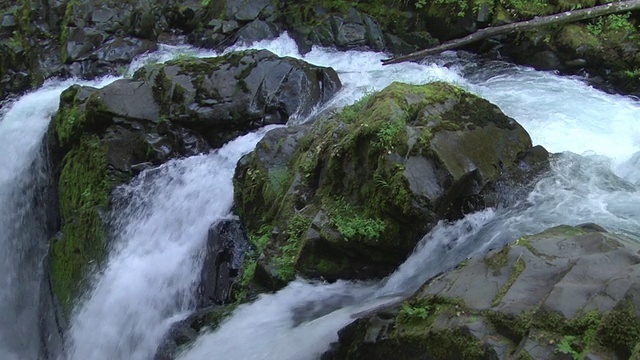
column 162, row 217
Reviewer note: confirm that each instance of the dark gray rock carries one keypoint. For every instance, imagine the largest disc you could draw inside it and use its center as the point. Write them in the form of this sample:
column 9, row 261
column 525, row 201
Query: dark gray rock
column 121, row 51
column 572, row 285
column 246, row 10
column 440, row 163
column 226, row 247
column 257, row 30
column 238, row 92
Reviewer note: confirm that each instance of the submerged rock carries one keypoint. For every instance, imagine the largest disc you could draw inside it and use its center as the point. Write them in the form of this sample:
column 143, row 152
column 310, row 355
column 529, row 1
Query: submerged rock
column 350, row 196
column 566, row 292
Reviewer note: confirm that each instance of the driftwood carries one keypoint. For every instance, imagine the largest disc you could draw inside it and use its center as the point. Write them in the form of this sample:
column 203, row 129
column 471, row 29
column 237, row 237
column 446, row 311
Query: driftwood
column 555, row 19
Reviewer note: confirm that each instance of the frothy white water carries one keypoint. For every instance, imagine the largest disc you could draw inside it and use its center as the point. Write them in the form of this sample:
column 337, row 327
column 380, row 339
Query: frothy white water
column 361, row 72
column 149, row 281
column 274, row 330
column 561, row 114
column 154, row 264
column 23, row 123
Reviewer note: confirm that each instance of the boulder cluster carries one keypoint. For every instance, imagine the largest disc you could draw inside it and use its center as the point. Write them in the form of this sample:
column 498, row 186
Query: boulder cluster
column 347, row 195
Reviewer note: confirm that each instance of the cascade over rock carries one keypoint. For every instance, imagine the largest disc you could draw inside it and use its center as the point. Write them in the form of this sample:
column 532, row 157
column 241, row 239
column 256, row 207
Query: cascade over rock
column 102, row 137
column 90, row 38
column 350, row 195
column 568, row 290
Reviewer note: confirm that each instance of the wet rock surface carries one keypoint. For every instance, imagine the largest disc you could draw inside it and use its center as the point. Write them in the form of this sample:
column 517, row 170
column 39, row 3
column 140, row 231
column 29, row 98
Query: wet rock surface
column 568, row 291
column 100, row 138
column 349, row 196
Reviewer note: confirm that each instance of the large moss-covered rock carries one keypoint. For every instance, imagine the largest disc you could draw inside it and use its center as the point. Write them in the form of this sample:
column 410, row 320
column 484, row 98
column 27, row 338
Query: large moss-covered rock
column 568, row 292
column 350, row 196
column 100, row 138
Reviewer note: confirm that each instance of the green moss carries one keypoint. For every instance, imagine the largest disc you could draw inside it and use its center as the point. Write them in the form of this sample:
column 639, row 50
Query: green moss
column 498, row 260
column 64, row 29
column 277, row 183
column 84, row 191
column 288, row 253
column 574, row 36
column 518, row 268
column 68, row 123
column 417, row 323
column 350, row 113
column 75, row 118
column 620, row 329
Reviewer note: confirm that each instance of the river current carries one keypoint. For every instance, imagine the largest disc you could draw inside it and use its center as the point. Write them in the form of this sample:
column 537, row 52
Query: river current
column 163, row 215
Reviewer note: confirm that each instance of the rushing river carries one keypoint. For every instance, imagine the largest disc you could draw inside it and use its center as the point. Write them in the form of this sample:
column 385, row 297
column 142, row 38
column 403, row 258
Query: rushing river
column 163, row 216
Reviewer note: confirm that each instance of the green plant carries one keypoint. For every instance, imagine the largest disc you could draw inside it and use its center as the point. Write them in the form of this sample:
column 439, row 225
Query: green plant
column 205, row 3
column 635, row 73
column 462, row 5
column 564, row 346
column 351, row 112
column 288, row 252
column 278, row 178
column 620, row 21
column 610, row 23
column 386, row 135
column 409, row 312
column 351, row 224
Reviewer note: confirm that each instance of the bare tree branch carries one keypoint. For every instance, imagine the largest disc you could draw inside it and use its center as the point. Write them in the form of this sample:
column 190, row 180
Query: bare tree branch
column 555, row 19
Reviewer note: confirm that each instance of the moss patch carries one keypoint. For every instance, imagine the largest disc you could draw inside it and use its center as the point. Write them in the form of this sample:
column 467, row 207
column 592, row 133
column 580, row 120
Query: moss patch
column 84, row 191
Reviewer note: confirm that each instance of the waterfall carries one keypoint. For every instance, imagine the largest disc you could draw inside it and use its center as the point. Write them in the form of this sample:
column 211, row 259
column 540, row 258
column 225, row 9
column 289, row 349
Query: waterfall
column 23, row 230
column 161, row 224
column 161, row 218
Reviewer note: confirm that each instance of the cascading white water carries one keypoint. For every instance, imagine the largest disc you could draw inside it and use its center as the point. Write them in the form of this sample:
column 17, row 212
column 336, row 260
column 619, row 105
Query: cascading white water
column 154, row 265
column 149, row 279
column 562, row 114
column 23, row 241
column 161, row 225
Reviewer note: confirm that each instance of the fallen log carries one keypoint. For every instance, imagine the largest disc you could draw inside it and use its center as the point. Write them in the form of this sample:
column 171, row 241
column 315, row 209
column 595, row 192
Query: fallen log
column 555, row 19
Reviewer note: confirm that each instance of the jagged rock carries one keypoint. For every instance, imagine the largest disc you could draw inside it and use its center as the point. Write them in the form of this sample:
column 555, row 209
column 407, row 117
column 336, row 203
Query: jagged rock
column 237, row 92
column 257, row 30
column 226, row 246
column 186, row 331
column 568, row 291
column 351, row 197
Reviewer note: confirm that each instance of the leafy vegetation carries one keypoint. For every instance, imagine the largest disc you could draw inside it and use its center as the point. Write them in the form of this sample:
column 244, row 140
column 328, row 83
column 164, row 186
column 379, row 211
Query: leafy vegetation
column 612, row 22
column 351, row 224
column 408, row 312
column 285, row 261
column 564, row 346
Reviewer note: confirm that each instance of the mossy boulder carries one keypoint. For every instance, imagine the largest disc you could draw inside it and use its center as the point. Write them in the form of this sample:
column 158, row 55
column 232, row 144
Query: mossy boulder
column 92, row 151
column 350, row 195
column 100, row 138
column 568, row 292
column 236, row 92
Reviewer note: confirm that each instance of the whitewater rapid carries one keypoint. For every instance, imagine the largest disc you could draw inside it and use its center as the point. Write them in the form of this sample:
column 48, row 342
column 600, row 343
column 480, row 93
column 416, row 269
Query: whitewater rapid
column 162, row 217
column 563, row 114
